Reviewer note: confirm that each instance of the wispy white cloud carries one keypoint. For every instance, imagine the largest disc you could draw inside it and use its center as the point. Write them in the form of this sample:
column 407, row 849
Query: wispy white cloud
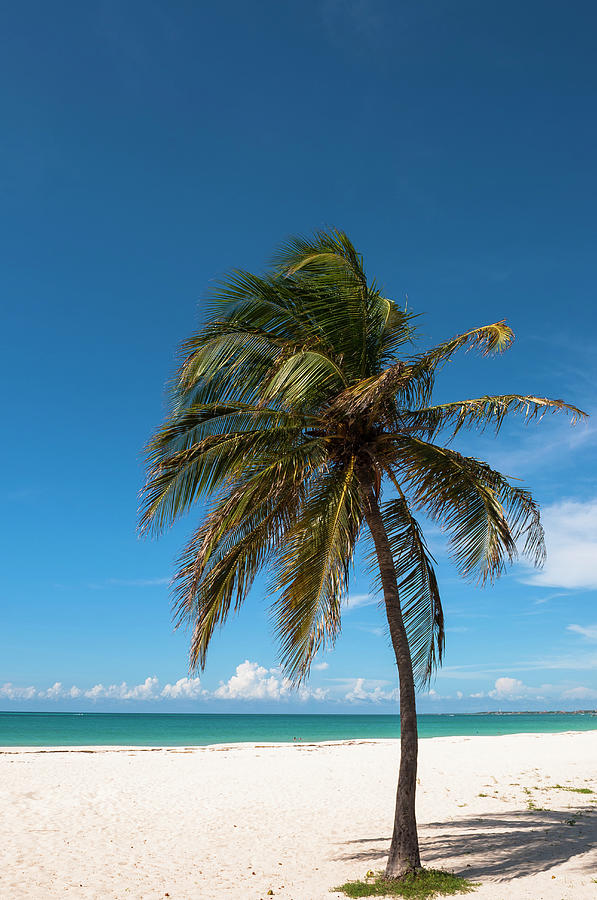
column 580, row 693
column 376, row 630
column 321, row 666
column 587, row 631
column 353, row 601
column 549, row 597
column 137, row 582
column 535, row 448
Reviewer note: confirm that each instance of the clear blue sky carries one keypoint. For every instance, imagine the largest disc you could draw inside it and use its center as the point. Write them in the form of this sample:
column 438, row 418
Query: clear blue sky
column 150, row 146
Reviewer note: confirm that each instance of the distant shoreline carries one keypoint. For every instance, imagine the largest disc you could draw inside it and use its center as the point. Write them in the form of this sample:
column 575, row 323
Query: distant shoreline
column 250, row 746
column 494, row 712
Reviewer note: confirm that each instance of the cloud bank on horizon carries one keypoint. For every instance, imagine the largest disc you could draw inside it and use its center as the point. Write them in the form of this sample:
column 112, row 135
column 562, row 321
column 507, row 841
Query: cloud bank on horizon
column 252, row 682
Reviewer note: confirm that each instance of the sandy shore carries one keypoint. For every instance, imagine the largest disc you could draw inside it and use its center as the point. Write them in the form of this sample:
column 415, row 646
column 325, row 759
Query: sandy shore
column 236, row 822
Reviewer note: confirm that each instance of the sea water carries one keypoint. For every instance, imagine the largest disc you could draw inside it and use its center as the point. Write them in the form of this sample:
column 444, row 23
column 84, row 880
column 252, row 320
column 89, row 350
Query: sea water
column 41, row 729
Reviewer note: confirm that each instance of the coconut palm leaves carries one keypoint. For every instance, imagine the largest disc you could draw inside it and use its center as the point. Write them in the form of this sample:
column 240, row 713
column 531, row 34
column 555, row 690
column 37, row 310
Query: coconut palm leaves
column 297, row 391
column 418, row 589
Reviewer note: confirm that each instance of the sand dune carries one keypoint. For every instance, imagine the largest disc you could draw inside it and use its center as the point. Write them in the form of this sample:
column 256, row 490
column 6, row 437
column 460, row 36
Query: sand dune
column 238, row 821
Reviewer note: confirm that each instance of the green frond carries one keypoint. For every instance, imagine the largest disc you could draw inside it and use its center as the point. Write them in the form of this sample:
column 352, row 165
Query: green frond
column 204, row 594
column 494, row 338
column 196, row 421
column 312, row 571
column 231, row 365
column 268, row 304
column 417, row 587
column 245, row 526
column 484, row 411
column 398, row 329
column 330, row 269
column 177, row 479
column 325, row 250
column 304, row 380
column 462, row 495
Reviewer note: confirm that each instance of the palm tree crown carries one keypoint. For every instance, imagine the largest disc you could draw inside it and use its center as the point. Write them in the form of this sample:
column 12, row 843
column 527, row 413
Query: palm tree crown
column 299, row 395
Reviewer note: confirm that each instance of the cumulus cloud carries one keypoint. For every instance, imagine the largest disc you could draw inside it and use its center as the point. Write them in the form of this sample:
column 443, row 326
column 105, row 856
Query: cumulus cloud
column 254, row 682
column 508, row 688
column 571, row 541
column 58, row 692
column 513, row 689
column 360, row 693
column 588, row 631
column 319, row 667
column 147, row 690
column 250, row 682
column 188, row 688
column 11, row 691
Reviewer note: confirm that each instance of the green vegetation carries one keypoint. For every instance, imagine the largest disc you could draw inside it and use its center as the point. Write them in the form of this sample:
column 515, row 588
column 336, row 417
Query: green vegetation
column 417, row 885
column 531, row 805
column 561, row 787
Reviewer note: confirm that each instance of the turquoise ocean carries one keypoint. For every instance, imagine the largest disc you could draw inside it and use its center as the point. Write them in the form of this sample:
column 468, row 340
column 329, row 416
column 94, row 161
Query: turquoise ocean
column 40, row 729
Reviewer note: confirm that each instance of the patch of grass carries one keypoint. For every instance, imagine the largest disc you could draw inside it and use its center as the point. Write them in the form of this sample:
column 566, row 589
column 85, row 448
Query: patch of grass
column 561, row 787
column 531, row 805
column 416, row 885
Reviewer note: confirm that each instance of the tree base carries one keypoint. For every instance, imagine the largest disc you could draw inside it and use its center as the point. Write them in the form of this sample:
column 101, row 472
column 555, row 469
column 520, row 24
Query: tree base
column 418, row 884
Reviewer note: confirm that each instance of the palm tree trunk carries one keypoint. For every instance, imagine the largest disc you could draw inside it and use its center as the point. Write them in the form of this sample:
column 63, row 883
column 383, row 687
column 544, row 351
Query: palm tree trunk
column 404, row 849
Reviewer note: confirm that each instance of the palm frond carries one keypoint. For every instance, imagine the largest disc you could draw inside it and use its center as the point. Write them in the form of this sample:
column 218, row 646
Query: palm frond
column 245, row 526
column 312, row 571
column 175, row 480
column 484, row 411
column 330, row 269
column 470, row 501
column 303, row 380
column 418, row 589
column 494, row 338
column 206, row 590
column 324, row 250
column 230, row 365
column 378, row 398
column 196, row 421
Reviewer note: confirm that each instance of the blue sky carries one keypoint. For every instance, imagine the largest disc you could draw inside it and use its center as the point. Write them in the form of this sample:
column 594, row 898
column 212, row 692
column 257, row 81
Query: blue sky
column 151, row 146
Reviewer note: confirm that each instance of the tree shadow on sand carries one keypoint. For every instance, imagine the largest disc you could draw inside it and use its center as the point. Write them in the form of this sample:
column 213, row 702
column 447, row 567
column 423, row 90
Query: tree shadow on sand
column 500, row 845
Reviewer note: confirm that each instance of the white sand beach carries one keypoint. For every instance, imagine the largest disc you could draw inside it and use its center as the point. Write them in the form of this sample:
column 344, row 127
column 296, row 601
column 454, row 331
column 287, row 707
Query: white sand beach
column 239, row 821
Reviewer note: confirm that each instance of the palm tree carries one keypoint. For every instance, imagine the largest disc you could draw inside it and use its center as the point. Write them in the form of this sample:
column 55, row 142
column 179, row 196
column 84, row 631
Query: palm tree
column 292, row 408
